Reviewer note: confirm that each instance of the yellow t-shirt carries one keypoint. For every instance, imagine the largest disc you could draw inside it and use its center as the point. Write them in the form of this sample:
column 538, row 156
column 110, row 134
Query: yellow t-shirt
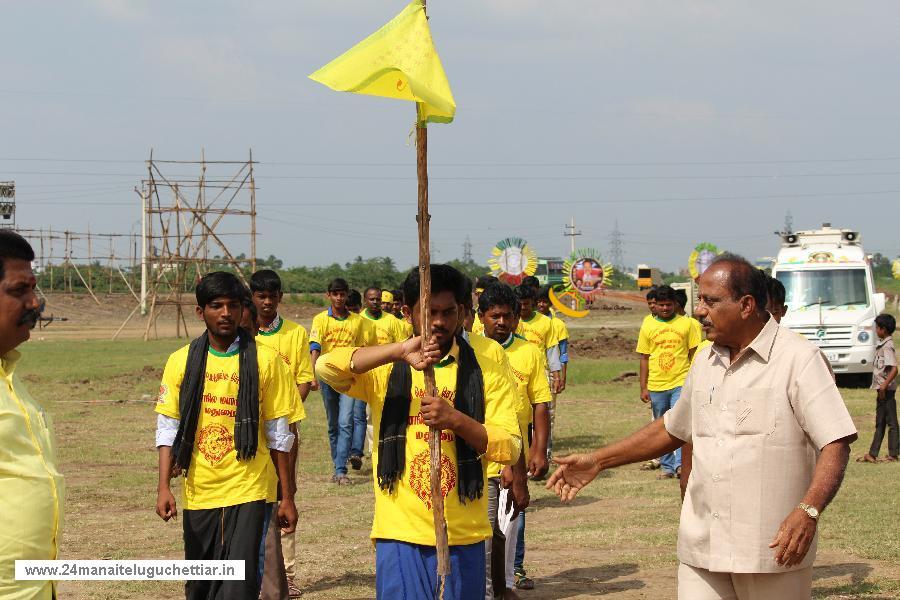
column 560, row 330
column 405, row 514
column 291, row 342
column 387, row 327
column 529, row 369
column 539, row 331
column 331, row 332
column 216, row 478
column 477, row 325
column 407, row 328
column 668, row 344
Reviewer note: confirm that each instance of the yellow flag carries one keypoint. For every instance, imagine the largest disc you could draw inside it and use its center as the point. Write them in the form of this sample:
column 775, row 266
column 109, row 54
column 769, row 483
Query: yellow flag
column 397, row 61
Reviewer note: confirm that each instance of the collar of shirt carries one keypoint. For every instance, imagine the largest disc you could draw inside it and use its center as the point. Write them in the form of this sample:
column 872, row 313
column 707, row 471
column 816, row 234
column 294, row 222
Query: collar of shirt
column 761, row 345
column 509, row 341
column 451, row 356
column 884, row 341
column 331, row 314
column 8, row 362
column 371, row 316
column 274, row 326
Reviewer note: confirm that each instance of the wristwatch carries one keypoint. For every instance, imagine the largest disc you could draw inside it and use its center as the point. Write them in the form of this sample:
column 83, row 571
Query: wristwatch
column 812, row 511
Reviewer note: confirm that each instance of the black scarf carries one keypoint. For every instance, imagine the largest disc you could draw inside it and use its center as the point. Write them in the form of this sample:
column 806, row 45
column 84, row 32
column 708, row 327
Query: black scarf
column 190, row 400
column 469, row 400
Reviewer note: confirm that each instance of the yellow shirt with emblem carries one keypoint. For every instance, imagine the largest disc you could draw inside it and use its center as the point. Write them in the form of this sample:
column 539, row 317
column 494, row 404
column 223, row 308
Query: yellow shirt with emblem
column 405, row 514
column 32, row 493
column 539, row 331
column 387, row 327
column 668, row 344
column 216, row 478
column 529, row 370
column 291, row 342
column 331, row 332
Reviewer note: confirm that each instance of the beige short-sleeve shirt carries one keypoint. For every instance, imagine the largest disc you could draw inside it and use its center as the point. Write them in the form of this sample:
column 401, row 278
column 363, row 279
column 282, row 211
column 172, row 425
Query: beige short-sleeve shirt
column 757, row 426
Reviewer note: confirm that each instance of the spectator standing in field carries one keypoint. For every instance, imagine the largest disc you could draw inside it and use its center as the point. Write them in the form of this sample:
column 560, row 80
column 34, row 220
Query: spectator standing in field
column 223, row 410
column 884, row 381
column 561, row 332
column 666, row 344
column 338, row 327
column 480, row 285
column 474, row 411
column 651, row 302
column 499, row 309
column 32, row 497
column 538, row 329
column 291, row 342
column 771, row 438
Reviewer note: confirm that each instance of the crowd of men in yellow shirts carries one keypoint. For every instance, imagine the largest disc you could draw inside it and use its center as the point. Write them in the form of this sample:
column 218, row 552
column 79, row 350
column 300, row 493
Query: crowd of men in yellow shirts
column 230, row 404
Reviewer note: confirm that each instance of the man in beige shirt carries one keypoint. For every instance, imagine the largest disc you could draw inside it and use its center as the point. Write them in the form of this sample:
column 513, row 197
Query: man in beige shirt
column 771, row 439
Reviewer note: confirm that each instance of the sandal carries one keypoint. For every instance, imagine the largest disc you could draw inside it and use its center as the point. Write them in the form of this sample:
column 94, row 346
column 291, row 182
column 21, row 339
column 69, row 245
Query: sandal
column 888, row 458
column 866, row 458
column 523, row 582
column 293, row 590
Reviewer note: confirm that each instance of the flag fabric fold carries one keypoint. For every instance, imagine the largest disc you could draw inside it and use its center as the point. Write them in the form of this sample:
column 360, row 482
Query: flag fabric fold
column 397, row 61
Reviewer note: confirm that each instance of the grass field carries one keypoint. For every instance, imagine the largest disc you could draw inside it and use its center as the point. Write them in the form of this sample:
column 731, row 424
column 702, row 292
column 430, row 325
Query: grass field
column 616, row 541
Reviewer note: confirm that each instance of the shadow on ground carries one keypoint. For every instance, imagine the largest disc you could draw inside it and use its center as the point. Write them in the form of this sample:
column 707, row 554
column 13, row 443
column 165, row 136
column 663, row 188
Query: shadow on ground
column 858, row 585
column 587, row 580
column 366, row 580
column 537, row 504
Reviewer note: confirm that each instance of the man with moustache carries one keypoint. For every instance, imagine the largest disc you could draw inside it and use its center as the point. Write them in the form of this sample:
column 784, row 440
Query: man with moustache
column 771, row 439
column 32, row 494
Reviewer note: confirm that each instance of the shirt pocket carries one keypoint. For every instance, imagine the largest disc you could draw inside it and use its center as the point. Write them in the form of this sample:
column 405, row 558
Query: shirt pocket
column 755, row 411
column 702, row 415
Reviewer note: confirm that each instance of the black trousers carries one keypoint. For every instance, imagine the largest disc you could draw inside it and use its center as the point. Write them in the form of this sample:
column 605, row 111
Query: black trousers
column 886, row 418
column 230, row 533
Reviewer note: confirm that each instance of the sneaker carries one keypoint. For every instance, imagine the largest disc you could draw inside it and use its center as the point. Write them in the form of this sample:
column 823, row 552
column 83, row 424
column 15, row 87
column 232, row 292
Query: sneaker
column 293, row 590
column 344, row 480
column 523, row 582
column 356, row 462
column 650, row 465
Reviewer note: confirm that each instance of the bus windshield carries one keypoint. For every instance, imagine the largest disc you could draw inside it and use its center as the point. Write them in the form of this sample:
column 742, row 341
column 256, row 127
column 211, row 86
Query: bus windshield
column 832, row 288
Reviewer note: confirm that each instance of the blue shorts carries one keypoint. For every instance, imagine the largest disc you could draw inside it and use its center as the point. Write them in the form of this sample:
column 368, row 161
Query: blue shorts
column 409, row 572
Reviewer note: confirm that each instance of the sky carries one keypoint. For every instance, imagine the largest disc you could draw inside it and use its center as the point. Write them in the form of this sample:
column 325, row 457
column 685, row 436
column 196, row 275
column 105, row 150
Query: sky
column 679, row 122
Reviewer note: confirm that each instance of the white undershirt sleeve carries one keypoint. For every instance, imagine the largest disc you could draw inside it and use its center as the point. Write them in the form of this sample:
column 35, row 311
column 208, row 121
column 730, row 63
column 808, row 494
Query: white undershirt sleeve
column 278, row 435
column 166, row 428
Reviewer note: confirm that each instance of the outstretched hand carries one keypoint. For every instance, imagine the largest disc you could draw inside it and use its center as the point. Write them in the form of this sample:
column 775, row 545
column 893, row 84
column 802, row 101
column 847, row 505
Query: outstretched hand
column 420, row 358
column 575, row 471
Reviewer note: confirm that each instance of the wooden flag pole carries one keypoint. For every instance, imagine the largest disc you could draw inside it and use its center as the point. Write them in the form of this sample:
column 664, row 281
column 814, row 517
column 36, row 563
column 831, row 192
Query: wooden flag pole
column 434, row 437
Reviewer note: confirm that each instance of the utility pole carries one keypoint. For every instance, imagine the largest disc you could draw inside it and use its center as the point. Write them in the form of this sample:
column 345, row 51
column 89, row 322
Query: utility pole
column 615, row 248
column 571, row 233
column 467, row 250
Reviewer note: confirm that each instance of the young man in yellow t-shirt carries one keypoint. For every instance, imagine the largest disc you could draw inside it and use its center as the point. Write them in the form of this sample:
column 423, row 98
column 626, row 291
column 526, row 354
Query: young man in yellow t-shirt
column 499, row 309
column 291, row 342
column 211, row 391
column 538, row 329
column 387, row 327
column 477, row 423
column 480, row 285
column 338, row 327
column 666, row 343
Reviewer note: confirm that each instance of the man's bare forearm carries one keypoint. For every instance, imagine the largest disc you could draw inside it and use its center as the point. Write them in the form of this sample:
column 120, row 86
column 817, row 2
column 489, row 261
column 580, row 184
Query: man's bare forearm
column 371, row 357
column 650, row 441
column 541, row 428
column 165, row 467
column 471, row 431
column 829, row 473
column 645, row 371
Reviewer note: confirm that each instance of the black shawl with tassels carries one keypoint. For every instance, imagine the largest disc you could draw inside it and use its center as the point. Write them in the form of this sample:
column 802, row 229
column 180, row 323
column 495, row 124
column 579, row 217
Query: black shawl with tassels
column 469, row 400
column 190, row 400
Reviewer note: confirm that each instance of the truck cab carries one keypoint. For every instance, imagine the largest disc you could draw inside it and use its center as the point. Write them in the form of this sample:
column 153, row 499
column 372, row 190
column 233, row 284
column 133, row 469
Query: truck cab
column 830, row 295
